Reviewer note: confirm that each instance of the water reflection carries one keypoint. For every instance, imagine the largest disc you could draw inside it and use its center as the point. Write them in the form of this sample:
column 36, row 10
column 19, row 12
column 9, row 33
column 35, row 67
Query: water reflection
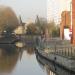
column 51, row 68
column 20, row 44
column 8, row 58
column 11, row 54
column 21, row 60
column 30, row 50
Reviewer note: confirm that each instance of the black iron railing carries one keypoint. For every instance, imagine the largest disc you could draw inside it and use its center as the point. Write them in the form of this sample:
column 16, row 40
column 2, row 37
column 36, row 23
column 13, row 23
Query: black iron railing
column 59, row 47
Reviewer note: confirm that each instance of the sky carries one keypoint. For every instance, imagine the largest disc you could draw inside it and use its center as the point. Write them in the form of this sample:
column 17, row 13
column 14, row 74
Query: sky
column 55, row 8
column 28, row 9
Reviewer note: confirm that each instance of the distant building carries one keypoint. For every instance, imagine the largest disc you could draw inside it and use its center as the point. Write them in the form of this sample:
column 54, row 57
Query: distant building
column 65, row 22
column 20, row 29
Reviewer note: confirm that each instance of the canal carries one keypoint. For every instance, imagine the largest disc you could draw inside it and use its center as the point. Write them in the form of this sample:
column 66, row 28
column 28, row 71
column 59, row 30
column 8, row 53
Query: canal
column 22, row 60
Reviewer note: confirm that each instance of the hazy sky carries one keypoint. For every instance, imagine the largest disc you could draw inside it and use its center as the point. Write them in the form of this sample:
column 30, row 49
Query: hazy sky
column 28, row 9
column 55, row 7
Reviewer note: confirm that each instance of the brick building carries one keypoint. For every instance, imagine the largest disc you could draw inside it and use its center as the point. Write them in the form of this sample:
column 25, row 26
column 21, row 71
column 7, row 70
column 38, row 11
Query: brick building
column 65, row 22
column 73, row 22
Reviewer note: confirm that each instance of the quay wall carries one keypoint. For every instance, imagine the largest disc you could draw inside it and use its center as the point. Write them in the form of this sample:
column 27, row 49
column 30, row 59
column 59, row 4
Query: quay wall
column 65, row 62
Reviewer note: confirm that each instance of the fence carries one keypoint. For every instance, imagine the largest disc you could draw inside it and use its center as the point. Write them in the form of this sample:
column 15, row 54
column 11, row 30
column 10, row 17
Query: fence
column 59, row 47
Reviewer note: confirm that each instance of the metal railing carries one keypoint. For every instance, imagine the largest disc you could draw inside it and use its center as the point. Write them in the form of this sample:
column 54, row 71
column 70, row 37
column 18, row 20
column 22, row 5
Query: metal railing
column 67, row 51
column 58, row 47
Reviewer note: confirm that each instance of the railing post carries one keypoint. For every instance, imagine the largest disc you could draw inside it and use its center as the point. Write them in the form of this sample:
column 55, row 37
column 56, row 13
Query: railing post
column 68, row 51
column 65, row 51
column 55, row 48
column 61, row 50
column 74, row 52
column 71, row 51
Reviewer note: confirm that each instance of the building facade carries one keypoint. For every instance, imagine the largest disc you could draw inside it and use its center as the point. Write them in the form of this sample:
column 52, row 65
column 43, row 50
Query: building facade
column 73, row 22
column 65, row 22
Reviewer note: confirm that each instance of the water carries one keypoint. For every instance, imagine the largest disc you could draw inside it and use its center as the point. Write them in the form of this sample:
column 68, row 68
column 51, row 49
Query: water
column 23, row 61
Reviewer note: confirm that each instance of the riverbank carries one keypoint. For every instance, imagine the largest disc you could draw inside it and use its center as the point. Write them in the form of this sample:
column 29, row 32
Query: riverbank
column 53, row 67
column 8, row 40
column 60, row 55
column 64, row 62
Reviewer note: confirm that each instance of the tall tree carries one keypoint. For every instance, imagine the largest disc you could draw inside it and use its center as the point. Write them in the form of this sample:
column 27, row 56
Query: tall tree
column 31, row 29
column 41, row 24
column 8, row 18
